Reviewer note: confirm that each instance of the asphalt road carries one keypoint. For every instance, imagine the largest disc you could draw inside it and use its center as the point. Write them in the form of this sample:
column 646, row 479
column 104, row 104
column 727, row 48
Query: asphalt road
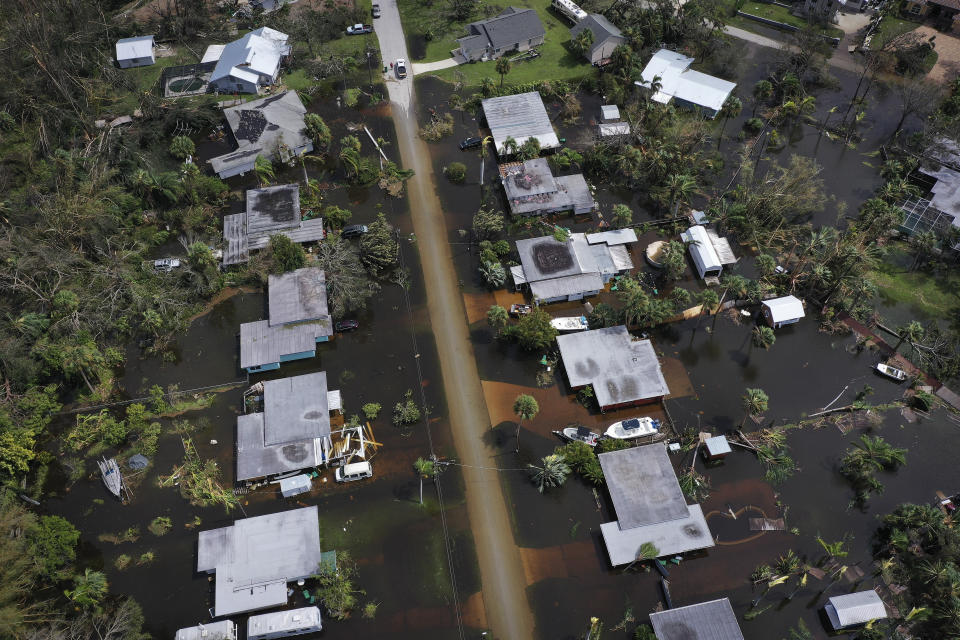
column 508, row 611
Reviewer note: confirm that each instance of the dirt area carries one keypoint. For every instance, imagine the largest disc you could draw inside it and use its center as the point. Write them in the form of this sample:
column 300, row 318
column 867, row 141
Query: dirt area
column 477, row 305
column 563, row 561
column 948, row 51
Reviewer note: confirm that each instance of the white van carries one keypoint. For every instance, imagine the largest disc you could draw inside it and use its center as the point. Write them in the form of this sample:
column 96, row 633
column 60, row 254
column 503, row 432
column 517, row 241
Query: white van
column 355, row 471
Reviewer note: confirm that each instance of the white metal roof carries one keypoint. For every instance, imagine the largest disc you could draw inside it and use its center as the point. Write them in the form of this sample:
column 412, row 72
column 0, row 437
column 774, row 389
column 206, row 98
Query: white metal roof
column 212, row 53
column 855, row 608
column 521, row 117
column 613, row 237
column 670, row 537
column 222, row 630
column 717, row 445
column 283, row 622
column 701, row 247
column 714, row 620
column 334, row 400
column 139, row 47
column 302, row 481
column 785, row 308
column 256, row 54
column 610, row 112
column 678, row 81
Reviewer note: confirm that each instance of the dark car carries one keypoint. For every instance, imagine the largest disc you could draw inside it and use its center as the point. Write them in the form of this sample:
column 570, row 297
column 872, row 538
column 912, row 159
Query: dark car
column 354, row 230
column 346, row 325
column 375, row 10
column 469, row 143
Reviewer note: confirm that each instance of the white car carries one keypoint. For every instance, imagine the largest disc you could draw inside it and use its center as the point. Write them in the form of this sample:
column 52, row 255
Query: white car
column 166, row 264
column 401, row 67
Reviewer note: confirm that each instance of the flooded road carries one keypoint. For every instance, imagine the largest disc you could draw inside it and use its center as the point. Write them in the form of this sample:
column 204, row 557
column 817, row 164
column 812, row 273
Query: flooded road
column 501, row 571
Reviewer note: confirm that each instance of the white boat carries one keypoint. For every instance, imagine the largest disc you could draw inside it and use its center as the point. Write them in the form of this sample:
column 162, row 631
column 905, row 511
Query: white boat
column 891, row 372
column 112, row 477
column 572, row 323
column 633, row 428
column 579, row 434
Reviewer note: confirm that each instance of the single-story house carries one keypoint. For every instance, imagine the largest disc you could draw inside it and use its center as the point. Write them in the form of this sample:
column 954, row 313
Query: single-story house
column 855, row 609
column 270, row 211
column 222, row 630
column 514, row 29
column 945, row 13
column 623, row 372
column 272, row 127
column 519, row 117
column 298, row 320
column 255, row 558
column 782, row 311
column 690, row 89
column 283, row 624
column 606, row 38
column 650, row 508
column 250, row 63
column 706, row 621
column 937, row 208
column 580, row 267
column 709, row 251
column 292, row 433
column 135, row 52
column 532, row 189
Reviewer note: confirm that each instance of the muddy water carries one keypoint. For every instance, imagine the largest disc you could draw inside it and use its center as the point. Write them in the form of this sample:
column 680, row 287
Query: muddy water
column 563, row 556
column 400, row 547
column 504, row 599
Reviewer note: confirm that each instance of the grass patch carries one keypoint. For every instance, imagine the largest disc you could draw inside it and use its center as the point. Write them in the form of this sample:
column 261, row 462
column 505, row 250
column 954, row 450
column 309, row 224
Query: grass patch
column 932, row 296
column 778, row 13
column 147, row 79
column 891, row 27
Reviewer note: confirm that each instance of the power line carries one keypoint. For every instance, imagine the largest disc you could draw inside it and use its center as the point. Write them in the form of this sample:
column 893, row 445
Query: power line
column 131, row 401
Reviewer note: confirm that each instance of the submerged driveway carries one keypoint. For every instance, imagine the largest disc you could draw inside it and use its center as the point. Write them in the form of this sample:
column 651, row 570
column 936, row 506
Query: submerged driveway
column 501, row 570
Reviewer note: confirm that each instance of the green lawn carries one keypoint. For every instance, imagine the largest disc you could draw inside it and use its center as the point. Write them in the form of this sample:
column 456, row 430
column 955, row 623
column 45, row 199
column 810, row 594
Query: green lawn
column 146, row 79
column 556, row 61
column 890, row 28
column 778, row 13
column 925, row 294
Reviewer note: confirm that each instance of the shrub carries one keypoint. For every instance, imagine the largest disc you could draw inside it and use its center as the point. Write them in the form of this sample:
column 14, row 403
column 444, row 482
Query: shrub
column 122, row 562
column 371, row 410
column 753, row 125
column 160, row 525
column 406, row 411
column 456, row 172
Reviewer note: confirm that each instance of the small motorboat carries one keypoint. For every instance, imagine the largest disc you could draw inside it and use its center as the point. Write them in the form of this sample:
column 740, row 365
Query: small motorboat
column 520, row 309
column 572, row 323
column 633, row 428
column 579, row 433
column 891, row 372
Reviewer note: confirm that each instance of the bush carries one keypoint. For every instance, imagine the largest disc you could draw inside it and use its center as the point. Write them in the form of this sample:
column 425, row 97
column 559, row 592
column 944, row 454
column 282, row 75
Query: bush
column 406, row 411
column 182, row 147
column 287, row 255
column 371, row 410
column 160, row 525
column 53, row 544
column 456, row 172
column 753, row 125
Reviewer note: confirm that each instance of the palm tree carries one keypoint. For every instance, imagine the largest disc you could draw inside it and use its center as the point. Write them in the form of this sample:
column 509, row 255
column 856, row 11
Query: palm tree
column 912, row 332
column 762, row 91
column 503, row 68
column 708, row 301
column 754, row 402
column 510, row 146
column 497, row 317
column 264, row 170
column 635, row 301
column 679, row 187
column 526, row 408
column 731, row 109
column 425, row 469
column 89, row 589
column 763, row 337
column 924, row 245
column 581, row 43
column 553, row 473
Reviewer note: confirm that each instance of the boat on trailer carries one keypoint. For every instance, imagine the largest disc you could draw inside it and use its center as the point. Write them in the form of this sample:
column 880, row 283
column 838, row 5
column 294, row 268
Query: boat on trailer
column 572, row 323
column 891, row 372
column 579, row 433
column 520, row 309
column 633, row 428
column 112, row 478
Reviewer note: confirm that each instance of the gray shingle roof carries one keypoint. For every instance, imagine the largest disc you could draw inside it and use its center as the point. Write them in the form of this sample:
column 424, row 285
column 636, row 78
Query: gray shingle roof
column 620, row 369
column 643, row 486
column 262, row 344
column 511, row 27
column 714, row 620
column 298, row 295
column 273, row 208
column 603, row 32
column 255, row 558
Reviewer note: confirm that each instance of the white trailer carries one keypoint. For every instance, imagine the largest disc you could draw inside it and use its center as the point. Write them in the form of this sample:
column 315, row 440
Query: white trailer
column 283, row 624
column 223, row 630
column 569, row 10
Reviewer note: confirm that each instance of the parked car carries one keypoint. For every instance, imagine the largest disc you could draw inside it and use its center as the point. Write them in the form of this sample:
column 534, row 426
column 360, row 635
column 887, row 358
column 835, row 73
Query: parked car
column 354, row 230
column 470, row 143
column 401, row 67
column 358, row 29
column 520, row 309
column 346, row 325
column 166, row 264
column 375, row 10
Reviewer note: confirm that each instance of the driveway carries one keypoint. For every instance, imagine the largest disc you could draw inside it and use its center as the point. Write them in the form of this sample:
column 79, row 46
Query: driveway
column 426, row 67
column 948, row 53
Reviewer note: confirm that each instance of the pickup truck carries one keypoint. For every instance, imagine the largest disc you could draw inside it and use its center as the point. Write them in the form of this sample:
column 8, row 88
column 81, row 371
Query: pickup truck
column 359, row 29
column 375, row 10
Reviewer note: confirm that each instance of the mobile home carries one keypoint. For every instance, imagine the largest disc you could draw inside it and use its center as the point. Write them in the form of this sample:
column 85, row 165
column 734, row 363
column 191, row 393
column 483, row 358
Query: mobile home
column 283, row 624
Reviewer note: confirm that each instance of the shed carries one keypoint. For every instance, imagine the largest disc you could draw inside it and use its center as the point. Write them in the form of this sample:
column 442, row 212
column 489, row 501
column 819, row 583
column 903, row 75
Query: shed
column 716, row 448
column 255, row 558
column 283, row 624
column 677, row 81
column 295, row 485
column 854, row 609
column 606, row 38
column 222, row 630
column 135, row 52
column 705, row 256
column 623, row 371
column 713, row 620
column 520, row 117
column 609, row 113
column 782, row 311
